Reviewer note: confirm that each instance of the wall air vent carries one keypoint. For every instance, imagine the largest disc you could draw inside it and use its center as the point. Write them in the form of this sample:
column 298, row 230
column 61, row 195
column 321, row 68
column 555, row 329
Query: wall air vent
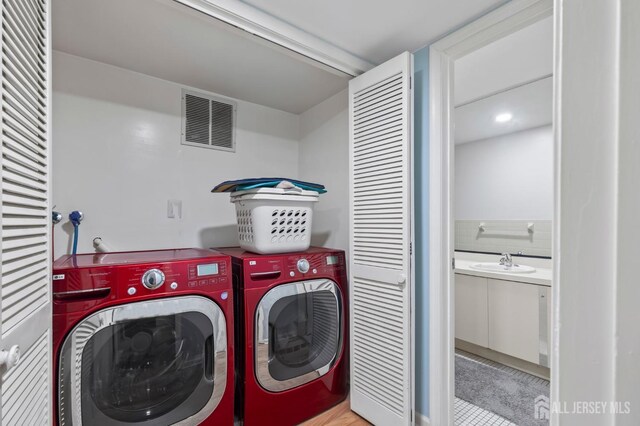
column 208, row 121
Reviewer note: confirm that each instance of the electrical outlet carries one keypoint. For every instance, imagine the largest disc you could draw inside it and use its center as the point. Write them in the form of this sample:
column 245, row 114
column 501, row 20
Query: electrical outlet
column 174, row 209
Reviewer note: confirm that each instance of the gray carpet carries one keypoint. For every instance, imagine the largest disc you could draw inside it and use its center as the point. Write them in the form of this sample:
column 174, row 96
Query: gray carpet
column 500, row 392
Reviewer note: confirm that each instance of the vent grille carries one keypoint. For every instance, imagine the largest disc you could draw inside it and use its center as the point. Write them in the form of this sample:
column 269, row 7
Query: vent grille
column 197, row 119
column 208, row 121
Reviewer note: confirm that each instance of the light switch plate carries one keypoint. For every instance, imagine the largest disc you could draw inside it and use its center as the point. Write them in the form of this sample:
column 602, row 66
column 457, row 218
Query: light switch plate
column 174, row 209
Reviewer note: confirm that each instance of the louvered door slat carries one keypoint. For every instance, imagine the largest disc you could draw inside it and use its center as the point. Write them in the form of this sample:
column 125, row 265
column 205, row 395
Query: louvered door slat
column 22, row 120
column 25, row 109
column 17, row 134
column 24, row 302
column 33, row 16
column 18, row 162
column 18, row 199
column 377, row 92
column 21, row 274
column 19, row 39
column 20, row 154
column 25, row 299
column 388, row 149
column 17, row 265
column 380, row 237
column 20, row 59
column 368, row 319
column 17, row 11
column 26, row 387
column 22, row 83
column 381, row 138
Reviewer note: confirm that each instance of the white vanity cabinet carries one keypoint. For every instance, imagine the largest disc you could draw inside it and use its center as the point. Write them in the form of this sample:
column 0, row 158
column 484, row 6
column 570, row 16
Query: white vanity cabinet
column 472, row 309
column 505, row 316
column 514, row 319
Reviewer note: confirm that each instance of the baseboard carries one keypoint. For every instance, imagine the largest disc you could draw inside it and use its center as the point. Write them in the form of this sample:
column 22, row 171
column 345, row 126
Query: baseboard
column 518, row 364
column 422, row 420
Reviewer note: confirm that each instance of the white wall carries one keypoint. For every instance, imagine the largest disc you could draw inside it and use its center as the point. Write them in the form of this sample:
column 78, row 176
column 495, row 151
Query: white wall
column 508, row 177
column 324, row 158
column 117, row 157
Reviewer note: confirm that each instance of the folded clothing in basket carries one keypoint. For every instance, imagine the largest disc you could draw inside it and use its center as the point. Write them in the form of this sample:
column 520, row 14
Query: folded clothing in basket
column 252, row 183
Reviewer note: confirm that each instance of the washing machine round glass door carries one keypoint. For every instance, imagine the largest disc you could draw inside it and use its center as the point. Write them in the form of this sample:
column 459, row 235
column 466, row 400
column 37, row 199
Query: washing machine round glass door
column 298, row 333
column 155, row 362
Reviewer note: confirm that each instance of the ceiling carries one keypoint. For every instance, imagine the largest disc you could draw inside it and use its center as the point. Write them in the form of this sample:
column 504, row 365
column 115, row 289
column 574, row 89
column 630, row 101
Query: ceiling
column 521, row 57
column 172, row 42
column 166, row 40
column 530, row 105
column 512, row 74
column 376, row 30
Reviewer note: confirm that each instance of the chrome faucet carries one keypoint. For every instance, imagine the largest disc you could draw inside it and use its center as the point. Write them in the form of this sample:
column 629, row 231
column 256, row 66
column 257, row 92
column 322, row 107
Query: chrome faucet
column 506, row 260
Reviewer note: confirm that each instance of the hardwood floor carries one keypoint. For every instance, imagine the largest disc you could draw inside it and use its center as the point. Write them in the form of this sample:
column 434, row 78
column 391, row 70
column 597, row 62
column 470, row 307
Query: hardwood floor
column 340, row 415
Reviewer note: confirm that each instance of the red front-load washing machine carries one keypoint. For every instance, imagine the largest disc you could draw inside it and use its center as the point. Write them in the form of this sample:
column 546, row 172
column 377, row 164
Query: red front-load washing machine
column 144, row 338
column 291, row 334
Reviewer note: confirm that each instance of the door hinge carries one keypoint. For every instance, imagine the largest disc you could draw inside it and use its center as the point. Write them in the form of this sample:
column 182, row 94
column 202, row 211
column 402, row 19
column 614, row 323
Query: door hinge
column 453, row 263
column 410, row 249
column 410, row 83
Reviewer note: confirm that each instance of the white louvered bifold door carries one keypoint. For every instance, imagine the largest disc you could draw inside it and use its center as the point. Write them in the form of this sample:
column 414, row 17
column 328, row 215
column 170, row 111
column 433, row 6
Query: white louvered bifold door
column 380, row 139
column 25, row 297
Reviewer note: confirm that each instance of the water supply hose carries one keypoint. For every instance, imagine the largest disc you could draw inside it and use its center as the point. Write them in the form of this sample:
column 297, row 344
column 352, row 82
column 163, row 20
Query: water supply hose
column 75, row 217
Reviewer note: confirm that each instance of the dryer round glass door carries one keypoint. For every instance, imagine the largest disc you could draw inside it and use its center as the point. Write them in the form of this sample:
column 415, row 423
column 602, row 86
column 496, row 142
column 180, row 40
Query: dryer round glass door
column 157, row 361
column 298, row 333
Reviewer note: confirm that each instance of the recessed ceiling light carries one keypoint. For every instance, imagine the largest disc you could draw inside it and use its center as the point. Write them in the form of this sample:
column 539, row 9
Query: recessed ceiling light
column 504, row 117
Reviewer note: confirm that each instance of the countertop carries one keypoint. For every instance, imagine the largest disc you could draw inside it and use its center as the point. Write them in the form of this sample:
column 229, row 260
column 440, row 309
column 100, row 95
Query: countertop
column 542, row 276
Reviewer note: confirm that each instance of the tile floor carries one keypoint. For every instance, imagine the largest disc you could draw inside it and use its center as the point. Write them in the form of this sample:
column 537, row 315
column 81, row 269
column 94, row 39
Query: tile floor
column 467, row 414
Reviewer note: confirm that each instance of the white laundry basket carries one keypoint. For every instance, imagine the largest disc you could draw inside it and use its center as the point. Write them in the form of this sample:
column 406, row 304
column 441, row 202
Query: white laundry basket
column 273, row 220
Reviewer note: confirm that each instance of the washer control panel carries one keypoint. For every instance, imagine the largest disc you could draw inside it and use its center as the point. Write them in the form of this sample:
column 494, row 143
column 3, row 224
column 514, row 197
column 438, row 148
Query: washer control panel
column 152, row 279
column 178, row 276
column 91, row 280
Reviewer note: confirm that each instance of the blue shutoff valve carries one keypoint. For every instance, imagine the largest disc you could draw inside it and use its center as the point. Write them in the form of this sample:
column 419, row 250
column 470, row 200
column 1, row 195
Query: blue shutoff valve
column 75, row 217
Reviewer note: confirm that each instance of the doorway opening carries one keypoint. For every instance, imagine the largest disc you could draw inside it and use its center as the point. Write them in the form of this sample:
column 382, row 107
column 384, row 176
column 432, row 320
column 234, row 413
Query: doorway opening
column 492, row 205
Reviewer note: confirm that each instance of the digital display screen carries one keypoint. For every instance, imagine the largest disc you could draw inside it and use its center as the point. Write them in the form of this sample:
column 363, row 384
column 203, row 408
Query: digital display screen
column 209, row 269
column 332, row 260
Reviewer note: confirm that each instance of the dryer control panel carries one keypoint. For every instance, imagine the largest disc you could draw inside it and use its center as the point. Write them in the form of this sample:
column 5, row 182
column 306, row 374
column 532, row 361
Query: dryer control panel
column 307, row 265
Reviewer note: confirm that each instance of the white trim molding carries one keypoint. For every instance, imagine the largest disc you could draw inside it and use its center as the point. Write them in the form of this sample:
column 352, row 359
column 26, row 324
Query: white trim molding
column 503, row 21
column 281, row 33
column 596, row 232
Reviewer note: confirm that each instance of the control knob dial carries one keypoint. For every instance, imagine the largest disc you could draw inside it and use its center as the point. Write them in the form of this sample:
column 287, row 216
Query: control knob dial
column 303, row 266
column 153, row 279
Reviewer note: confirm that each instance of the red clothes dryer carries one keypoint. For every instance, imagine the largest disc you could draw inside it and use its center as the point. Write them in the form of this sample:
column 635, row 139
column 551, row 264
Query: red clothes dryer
column 291, row 334
column 144, row 338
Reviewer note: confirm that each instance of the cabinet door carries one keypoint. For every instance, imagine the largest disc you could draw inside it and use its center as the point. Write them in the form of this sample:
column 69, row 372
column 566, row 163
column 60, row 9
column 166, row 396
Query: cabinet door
column 472, row 310
column 514, row 319
column 25, row 217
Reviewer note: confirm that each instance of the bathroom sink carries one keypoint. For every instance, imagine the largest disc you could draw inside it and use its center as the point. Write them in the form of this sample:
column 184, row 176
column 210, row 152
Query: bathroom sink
column 496, row 267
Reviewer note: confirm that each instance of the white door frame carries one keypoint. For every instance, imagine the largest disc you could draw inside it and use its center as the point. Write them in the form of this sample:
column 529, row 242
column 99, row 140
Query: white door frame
column 501, row 22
